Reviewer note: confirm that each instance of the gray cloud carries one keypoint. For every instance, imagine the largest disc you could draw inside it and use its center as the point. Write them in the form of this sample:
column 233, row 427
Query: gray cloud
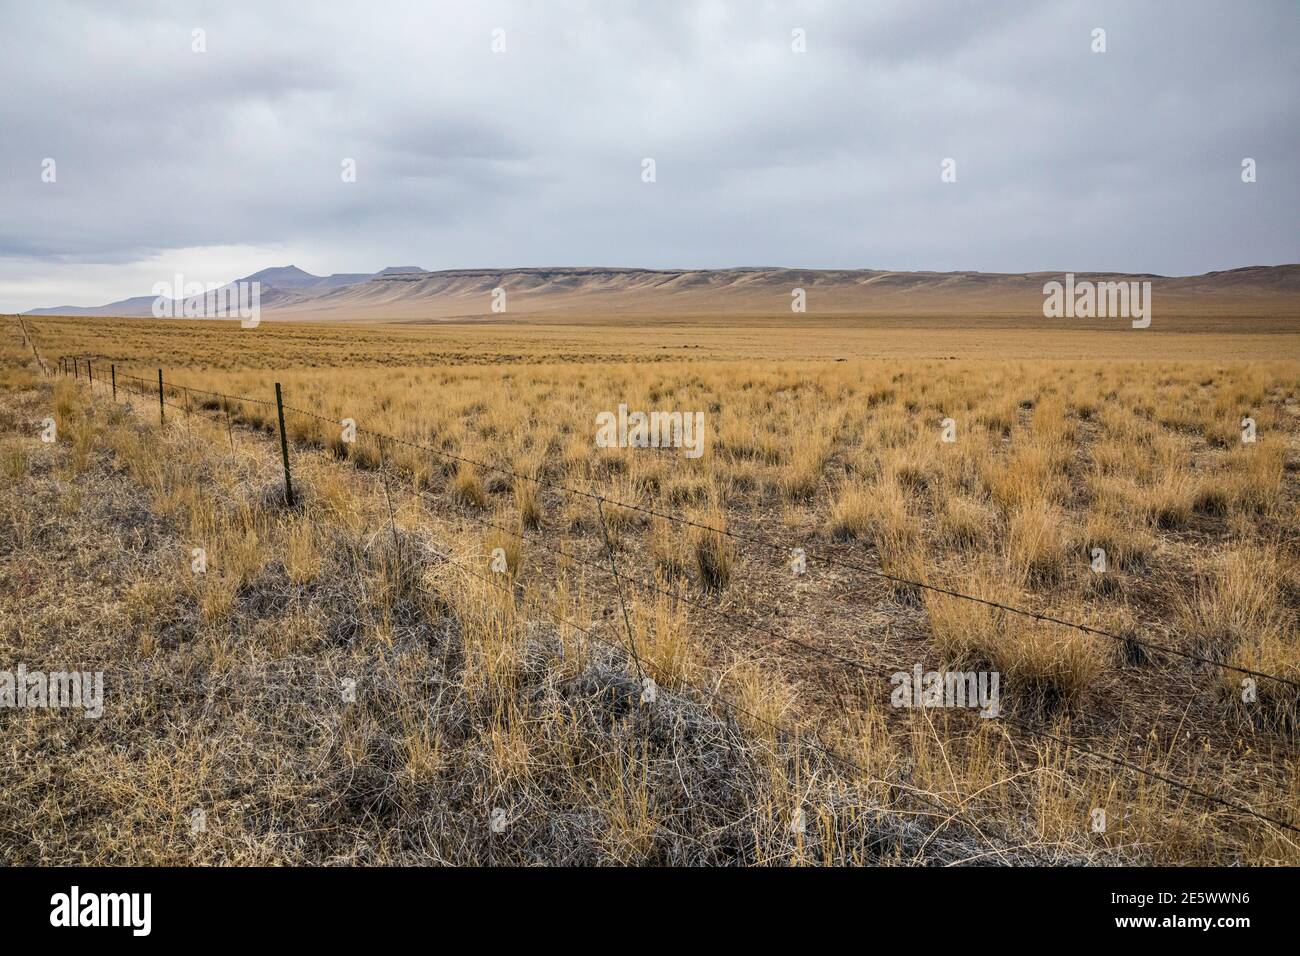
column 209, row 163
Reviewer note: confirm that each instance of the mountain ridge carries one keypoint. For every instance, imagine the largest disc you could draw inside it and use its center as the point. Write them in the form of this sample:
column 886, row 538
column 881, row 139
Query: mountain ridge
column 407, row 292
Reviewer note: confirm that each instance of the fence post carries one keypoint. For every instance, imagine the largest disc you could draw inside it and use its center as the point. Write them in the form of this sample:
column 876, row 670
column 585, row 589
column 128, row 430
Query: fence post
column 76, row 367
column 112, row 370
column 230, row 432
column 392, row 522
column 284, row 448
column 90, row 375
column 162, row 412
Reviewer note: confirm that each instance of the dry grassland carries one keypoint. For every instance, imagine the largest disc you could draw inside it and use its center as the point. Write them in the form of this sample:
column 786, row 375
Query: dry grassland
column 508, row 697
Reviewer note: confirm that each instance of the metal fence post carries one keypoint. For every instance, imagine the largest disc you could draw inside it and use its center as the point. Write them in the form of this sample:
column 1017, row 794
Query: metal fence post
column 162, row 412
column 112, row 370
column 230, row 432
column 284, row 448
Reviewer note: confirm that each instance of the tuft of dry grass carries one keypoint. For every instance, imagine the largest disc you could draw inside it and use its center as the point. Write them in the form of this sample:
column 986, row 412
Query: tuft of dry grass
column 664, row 639
column 467, row 487
column 1043, row 666
column 715, row 554
column 1127, row 545
column 801, row 477
column 1038, row 544
column 528, row 503
column 964, row 523
column 1233, row 602
column 667, row 549
column 15, row 462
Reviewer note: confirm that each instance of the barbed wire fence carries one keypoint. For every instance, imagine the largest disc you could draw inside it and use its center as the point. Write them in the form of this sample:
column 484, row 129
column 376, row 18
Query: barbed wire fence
column 31, row 343
column 179, row 398
column 900, row 791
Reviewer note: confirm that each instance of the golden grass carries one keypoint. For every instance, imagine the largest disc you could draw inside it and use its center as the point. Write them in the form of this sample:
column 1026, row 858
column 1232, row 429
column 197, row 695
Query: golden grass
column 714, row 551
column 1142, row 458
column 1042, row 665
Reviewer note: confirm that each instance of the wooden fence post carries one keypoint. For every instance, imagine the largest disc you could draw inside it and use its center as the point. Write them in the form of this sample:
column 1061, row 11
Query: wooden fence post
column 284, row 448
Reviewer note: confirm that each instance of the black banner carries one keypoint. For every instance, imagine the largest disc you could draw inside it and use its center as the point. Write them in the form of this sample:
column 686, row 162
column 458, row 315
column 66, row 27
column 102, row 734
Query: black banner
column 337, row 905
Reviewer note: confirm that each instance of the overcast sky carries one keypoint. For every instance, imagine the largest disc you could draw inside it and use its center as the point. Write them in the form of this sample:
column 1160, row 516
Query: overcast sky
column 219, row 163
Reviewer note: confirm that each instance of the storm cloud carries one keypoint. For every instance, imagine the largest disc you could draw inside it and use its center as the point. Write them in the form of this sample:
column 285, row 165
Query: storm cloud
column 221, row 162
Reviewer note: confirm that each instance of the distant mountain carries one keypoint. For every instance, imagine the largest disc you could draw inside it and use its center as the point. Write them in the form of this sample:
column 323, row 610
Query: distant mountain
column 278, row 284
column 405, row 293
column 284, row 277
column 136, row 305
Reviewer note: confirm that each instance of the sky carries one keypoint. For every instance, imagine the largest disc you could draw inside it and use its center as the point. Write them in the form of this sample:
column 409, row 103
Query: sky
column 220, row 161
